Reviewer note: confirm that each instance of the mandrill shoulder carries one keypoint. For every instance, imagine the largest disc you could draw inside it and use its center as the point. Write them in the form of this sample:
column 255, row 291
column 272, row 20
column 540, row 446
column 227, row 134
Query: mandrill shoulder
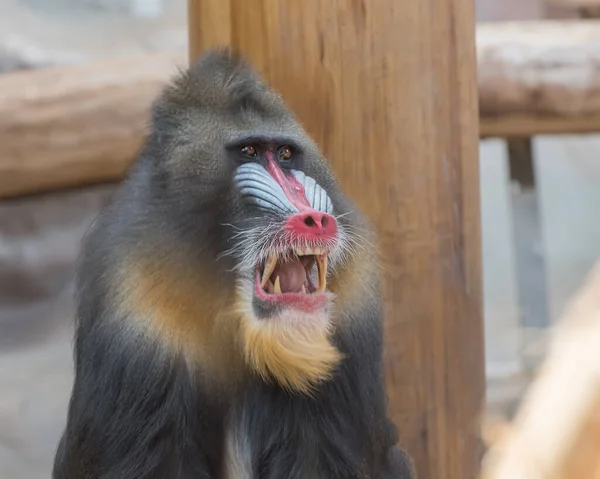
column 137, row 275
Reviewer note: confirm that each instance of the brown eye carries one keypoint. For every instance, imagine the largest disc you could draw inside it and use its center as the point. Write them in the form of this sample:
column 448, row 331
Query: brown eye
column 285, row 153
column 249, row 150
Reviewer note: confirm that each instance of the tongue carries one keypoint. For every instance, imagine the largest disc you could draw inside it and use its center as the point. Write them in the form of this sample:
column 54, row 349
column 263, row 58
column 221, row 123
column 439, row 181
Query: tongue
column 292, row 276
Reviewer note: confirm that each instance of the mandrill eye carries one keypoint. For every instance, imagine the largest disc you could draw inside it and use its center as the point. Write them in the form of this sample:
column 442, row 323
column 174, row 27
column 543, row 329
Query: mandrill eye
column 249, row 150
column 285, row 155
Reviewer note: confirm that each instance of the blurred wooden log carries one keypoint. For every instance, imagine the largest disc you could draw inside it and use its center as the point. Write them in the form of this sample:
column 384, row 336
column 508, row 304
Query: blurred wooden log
column 542, row 67
column 76, row 125
column 556, row 433
column 527, row 125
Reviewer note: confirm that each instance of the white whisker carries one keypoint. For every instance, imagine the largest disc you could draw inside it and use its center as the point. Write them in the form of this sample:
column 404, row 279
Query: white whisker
column 253, row 245
column 342, row 215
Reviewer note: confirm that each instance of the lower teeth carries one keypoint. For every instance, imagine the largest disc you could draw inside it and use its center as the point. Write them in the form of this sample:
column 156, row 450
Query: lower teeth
column 317, row 274
column 276, row 288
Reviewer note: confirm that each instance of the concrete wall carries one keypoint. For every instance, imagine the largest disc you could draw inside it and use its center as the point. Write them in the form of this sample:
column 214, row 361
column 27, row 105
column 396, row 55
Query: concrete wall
column 568, row 196
column 502, row 321
column 568, row 171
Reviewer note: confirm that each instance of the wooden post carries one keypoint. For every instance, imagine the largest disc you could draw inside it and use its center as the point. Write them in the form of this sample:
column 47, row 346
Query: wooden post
column 388, row 90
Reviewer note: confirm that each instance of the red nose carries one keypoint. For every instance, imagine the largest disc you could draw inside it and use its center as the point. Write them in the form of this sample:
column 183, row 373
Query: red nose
column 312, row 224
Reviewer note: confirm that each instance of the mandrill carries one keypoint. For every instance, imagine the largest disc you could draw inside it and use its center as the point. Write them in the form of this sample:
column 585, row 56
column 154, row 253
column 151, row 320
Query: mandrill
column 229, row 313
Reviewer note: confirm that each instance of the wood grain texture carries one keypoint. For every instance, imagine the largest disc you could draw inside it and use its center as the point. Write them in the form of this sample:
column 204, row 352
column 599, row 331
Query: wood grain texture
column 209, row 25
column 76, row 125
column 388, row 90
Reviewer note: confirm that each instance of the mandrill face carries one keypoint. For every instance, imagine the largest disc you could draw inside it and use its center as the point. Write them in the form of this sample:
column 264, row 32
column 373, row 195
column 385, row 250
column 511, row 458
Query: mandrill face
column 288, row 241
column 290, row 237
column 281, row 231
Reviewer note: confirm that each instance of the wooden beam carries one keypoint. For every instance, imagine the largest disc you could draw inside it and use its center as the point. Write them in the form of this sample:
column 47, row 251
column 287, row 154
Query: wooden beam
column 399, row 125
column 527, row 125
column 539, row 67
column 76, row 125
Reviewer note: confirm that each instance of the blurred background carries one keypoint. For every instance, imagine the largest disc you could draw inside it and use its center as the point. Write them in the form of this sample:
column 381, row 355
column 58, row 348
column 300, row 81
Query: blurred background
column 541, row 233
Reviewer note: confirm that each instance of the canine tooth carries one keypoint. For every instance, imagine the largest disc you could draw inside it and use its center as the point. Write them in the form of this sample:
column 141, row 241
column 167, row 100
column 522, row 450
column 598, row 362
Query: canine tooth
column 277, row 287
column 322, row 268
column 303, row 290
column 269, row 267
column 270, row 287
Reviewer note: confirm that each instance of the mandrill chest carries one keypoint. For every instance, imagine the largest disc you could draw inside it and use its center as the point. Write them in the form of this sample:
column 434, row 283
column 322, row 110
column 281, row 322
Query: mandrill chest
column 292, row 422
column 273, row 435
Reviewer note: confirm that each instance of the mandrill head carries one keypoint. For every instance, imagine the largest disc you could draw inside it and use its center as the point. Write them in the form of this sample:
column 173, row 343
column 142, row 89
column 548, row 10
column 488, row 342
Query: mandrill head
column 258, row 255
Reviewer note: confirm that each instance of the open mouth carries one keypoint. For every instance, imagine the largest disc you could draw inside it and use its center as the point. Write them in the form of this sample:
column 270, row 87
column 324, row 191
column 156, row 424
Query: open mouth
column 293, row 273
column 297, row 278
